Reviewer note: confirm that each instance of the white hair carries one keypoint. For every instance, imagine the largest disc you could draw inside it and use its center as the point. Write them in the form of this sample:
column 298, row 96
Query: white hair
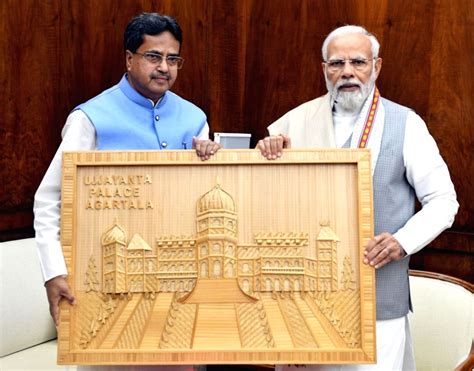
column 350, row 30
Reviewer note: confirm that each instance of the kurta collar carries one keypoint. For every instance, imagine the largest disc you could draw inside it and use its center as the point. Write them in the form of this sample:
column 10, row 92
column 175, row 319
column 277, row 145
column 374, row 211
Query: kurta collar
column 136, row 97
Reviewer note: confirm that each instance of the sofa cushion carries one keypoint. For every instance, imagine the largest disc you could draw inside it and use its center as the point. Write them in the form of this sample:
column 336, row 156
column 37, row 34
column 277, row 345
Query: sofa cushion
column 25, row 319
column 442, row 323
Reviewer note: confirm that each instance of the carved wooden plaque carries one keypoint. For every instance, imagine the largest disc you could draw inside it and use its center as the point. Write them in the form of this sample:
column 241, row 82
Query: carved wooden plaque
column 235, row 260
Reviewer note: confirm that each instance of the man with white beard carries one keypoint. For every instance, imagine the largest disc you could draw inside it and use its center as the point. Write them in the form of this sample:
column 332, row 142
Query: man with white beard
column 405, row 163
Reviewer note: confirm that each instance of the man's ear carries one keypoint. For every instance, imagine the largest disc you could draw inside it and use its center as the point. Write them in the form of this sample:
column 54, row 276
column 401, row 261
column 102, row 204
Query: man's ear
column 378, row 66
column 128, row 59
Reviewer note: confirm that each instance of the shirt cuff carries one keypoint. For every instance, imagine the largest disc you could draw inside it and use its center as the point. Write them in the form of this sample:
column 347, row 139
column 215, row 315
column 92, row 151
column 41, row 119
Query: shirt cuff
column 52, row 263
column 404, row 242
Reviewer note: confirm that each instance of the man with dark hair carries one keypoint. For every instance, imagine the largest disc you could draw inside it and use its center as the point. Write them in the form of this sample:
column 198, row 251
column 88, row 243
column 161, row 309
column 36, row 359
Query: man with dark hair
column 405, row 164
column 139, row 113
column 149, row 24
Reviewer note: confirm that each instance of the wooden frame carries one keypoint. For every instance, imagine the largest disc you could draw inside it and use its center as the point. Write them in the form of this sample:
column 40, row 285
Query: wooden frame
column 235, row 260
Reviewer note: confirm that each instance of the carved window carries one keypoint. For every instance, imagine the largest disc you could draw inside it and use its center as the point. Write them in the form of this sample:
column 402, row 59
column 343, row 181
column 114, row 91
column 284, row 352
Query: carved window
column 230, row 270
column 230, row 250
column 246, row 286
column 216, row 222
column 286, row 285
column 268, row 284
column 245, row 268
column 297, row 285
column 216, row 249
column 216, row 272
column 277, row 285
column 204, row 269
column 203, row 250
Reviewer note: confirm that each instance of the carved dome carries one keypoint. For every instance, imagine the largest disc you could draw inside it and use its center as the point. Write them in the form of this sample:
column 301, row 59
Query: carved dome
column 113, row 235
column 216, row 199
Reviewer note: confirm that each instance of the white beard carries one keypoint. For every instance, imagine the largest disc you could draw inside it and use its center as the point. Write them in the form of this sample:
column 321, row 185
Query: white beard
column 350, row 101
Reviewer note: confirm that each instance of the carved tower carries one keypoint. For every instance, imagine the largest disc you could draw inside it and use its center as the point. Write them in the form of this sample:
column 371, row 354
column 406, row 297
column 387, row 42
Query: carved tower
column 326, row 250
column 114, row 260
column 216, row 235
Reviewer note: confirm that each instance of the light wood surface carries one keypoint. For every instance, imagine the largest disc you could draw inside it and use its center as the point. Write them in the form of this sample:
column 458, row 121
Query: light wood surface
column 233, row 260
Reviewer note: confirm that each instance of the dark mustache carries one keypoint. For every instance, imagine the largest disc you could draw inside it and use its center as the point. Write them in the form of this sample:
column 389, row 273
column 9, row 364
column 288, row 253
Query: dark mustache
column 155, row 75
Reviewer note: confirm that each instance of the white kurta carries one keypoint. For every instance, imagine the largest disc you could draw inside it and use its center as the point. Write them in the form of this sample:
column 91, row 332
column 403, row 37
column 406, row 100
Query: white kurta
column 313, row 124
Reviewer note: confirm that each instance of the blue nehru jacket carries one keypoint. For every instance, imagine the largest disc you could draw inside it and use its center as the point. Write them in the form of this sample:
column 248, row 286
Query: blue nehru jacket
column 125, row 119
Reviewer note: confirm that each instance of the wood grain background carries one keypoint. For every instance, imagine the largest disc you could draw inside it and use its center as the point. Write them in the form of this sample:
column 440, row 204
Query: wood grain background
column 247, row 63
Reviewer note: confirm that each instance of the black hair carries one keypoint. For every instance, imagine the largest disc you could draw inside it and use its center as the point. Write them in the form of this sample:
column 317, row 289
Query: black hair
column 149, row 24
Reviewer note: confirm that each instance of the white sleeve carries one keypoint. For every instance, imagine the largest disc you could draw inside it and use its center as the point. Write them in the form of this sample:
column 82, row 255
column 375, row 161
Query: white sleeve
column 204, row 133
column 280, row 126
column 429, row 176
column 78, row 134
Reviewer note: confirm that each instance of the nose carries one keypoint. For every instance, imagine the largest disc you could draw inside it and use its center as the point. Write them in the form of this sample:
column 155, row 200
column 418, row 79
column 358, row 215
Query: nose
column 348, row 70
column 163, row 65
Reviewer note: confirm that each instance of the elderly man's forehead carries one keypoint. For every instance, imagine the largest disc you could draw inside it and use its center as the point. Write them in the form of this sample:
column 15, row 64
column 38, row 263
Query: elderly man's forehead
column 354, row 41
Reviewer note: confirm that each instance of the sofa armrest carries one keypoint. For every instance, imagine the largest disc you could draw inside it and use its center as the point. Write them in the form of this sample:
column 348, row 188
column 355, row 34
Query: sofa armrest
column 442, row 322
column 25, row 319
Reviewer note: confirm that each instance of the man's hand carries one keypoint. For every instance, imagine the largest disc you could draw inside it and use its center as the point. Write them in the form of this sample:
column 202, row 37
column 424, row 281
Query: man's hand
column 205, row 148
column 56, row 289
column 272, row 147
column 382, row 249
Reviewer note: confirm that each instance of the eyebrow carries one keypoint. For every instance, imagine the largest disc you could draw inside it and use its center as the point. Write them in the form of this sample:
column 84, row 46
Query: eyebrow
column 339, row 58
column 160, row 53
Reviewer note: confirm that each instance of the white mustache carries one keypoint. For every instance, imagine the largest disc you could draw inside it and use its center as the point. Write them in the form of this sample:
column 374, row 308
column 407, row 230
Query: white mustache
column 356, row 82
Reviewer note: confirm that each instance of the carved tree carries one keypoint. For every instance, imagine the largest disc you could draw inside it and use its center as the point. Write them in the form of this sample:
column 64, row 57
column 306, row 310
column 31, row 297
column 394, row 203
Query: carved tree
column 91, row 276
column 347, row 275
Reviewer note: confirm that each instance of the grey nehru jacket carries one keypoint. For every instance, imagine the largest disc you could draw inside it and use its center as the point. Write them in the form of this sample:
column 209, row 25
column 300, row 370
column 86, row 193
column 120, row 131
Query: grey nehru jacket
column 394, row 204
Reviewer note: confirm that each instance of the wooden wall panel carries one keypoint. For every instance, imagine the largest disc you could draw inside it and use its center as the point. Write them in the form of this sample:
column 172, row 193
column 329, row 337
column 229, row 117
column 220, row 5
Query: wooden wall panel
column 247, row 63
column 450, row 117
column 283, row 59
column 28, row 99
column 451, row 99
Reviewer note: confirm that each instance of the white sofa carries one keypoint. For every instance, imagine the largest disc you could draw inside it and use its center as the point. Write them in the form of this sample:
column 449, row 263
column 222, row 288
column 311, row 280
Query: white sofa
column 27, row 337
column 442, row 322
